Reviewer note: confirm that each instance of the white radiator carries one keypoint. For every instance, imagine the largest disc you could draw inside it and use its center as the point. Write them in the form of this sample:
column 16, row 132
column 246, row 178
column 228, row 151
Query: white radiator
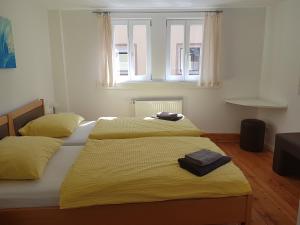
column 149, row 107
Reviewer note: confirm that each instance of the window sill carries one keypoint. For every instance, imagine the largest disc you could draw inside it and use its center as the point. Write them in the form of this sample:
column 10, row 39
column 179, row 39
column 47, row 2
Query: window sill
column 134, row 85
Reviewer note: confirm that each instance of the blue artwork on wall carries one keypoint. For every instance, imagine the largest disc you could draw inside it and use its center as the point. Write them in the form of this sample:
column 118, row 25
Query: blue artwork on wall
column 7, row 50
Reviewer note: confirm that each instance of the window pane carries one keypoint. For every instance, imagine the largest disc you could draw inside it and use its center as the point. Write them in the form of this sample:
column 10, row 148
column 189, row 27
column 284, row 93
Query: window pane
column 140, row 49
column 195, row 48
column 176, row 49
column 121, row 49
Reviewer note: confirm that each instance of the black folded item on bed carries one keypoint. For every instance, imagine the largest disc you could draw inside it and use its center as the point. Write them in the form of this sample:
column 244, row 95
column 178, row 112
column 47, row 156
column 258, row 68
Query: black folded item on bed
column 203, row 162
column 168, row 116
column 203, row 157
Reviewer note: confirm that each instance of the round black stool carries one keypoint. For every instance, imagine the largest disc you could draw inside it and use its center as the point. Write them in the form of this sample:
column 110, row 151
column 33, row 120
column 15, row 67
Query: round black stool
column 252, row 135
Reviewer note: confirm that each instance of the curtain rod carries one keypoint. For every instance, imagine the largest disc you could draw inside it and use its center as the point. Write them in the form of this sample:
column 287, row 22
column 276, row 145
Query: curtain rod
column 162, row 11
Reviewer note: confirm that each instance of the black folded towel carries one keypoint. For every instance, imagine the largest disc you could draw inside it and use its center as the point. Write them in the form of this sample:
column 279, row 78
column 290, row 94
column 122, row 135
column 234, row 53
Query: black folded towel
column 202, row 170
column 170, row 119
column 203, row 157
column 168, row 116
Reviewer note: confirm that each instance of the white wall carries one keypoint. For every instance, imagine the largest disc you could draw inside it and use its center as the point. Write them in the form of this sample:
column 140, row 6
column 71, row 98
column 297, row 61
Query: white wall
column 281, row 68
column 241, row 65
column 32, row 78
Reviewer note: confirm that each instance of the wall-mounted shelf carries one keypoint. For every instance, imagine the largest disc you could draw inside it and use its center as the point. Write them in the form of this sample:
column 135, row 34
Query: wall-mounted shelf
column 256, row 102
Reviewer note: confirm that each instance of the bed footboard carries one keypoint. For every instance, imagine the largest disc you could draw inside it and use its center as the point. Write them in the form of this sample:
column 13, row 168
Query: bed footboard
column 175, row 212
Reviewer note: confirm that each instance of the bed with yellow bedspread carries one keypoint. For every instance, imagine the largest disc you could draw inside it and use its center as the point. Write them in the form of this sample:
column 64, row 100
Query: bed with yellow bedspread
column 135, row 127
column 145, row 170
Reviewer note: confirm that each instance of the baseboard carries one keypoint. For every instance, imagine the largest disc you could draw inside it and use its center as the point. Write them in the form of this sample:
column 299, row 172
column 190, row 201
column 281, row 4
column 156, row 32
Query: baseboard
column 223, row 137
column 269, row 147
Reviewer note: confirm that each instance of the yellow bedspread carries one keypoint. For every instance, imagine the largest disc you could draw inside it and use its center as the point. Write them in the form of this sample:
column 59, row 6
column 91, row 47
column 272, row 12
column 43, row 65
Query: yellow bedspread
column 132, row 127
column 145, row 170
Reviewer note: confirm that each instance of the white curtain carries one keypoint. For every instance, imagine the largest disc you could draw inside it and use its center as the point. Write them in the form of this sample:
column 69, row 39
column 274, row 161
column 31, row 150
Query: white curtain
column 106, row 58
column 210, row 71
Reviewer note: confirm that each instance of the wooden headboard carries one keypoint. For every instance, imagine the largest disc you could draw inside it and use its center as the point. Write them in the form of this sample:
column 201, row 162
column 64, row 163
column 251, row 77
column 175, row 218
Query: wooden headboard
column 20, row 117
column 4, row 128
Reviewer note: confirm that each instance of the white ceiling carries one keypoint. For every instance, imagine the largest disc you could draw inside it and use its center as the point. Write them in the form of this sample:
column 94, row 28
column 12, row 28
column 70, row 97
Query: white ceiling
column 154, row 4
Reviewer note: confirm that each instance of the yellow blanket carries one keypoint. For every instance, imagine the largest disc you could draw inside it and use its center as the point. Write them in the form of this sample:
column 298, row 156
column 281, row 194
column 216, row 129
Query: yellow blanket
column 132, row 127
column 145, row 170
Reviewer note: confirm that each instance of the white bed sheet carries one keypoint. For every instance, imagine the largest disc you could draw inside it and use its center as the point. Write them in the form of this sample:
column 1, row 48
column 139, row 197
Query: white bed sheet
column 43, row 192
column 80, row 135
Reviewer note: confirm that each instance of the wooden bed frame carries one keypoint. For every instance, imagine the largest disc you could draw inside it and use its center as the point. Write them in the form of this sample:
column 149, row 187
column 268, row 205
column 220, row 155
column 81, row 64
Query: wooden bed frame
column 18, row 118
column 227, row 210
column 203, row 211
column 3, row 120
column 4, row 127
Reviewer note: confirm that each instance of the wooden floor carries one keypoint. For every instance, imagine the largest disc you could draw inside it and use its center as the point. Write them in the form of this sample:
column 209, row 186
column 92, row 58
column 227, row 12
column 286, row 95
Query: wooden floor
column 276, row 198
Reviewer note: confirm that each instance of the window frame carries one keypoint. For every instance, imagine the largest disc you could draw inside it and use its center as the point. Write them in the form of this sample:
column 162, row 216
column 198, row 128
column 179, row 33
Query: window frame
column 130, row 23
column 186, row 23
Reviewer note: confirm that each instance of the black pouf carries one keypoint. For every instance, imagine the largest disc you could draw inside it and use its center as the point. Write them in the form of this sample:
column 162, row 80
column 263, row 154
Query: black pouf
column 252, row 135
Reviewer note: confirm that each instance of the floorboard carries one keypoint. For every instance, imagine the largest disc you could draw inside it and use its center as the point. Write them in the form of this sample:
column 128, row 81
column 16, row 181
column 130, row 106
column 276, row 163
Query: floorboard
column 276, row 198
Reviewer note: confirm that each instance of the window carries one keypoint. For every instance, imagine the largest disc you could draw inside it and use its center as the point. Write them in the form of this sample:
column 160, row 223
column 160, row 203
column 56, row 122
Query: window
column 131, row 49
column 184, row 49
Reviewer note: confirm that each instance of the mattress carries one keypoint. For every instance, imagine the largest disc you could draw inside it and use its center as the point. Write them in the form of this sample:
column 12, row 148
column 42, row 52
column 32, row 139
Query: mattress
column 80, row 135
column 43, row 192
column 135, row 127
column 145, row 170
